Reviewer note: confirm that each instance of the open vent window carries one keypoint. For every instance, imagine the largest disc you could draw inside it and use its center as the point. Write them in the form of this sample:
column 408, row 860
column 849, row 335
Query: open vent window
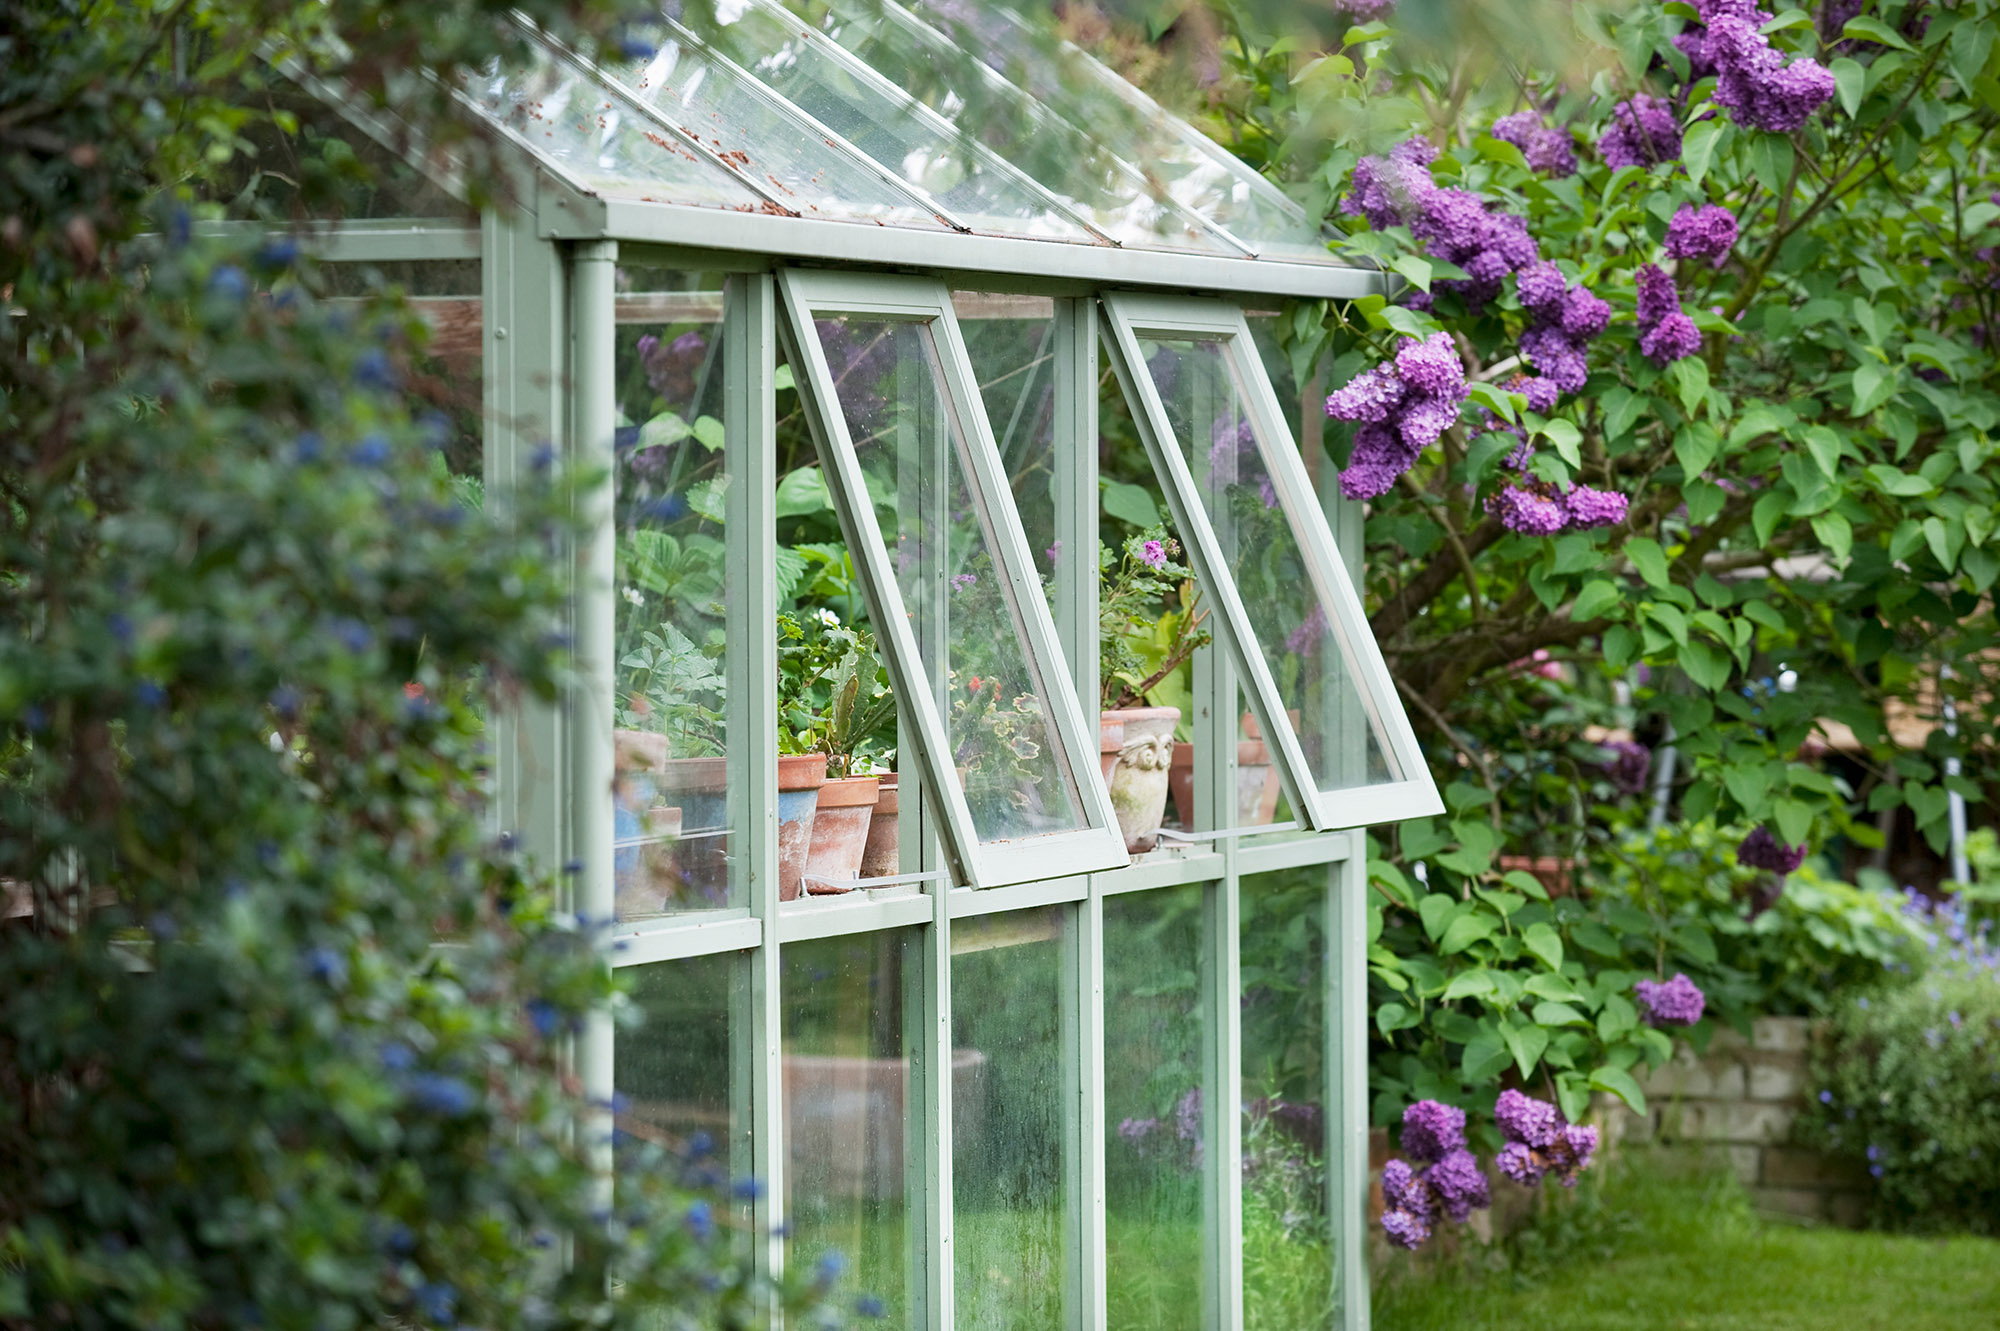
column 1259, row 541
column 989, row 713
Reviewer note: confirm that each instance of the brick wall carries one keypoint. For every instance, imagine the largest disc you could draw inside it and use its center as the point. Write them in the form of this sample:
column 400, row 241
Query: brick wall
column 1736, row 1106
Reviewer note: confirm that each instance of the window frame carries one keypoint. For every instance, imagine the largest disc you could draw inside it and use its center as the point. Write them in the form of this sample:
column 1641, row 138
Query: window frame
column 1097, row 845
column 1413, row 794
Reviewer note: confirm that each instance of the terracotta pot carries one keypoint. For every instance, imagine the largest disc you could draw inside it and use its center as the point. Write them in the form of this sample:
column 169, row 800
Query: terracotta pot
column 840, row 833
column 696, row 869
column 1110, row 739
column 1139, row 784
column 1256, row 783
column 881, row 857
column 800, row 775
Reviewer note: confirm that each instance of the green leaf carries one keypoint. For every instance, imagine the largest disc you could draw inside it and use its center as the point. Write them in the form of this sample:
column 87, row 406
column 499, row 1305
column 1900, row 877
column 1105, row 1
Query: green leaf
column 1484, row 1056
column 1869, row 29
column 1523, row 881
column 1464, row 931
column 1594, row 937
column 708, row 432
column 782, row 378
column 1468, row 984
column 801, row 492
column 1695, row 940
column 1554, row 1012
column 1706, row 666
column 1416, row 269
column 1597, row 596
column 1394, row 1017
column 1620, row 1083
column 1695, row 446
column 1825, row 447
column 1835, row 533
column 1649, row 559
column 1794, row 820
column 1567, row 439
column 1874, row 382
column 1944, row 541
column 1698, row 147
column 1546, row 943
column 1131, row 504
column 1772, row 158
column 1851, row 80
column 1498, row 401
column 1436, row 910
column 1622, row 413
column 1691, row 373
column 1621, row 645
column 1526, row 1044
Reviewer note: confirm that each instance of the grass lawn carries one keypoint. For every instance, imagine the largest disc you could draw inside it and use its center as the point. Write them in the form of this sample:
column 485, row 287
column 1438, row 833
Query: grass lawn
column 1650, row 1254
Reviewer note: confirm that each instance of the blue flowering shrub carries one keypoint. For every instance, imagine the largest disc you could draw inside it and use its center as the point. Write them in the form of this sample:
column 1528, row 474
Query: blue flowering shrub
column 282, row 1019
column 1907, row 1083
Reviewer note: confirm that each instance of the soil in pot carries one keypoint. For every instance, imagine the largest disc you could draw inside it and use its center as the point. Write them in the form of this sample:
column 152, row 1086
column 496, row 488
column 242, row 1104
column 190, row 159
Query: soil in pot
column 881, row 856
column 841, row 821
column 1139, row 783
column 800, row 775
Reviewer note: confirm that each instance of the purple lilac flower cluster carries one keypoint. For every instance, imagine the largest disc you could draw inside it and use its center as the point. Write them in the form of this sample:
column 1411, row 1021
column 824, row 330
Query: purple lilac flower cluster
column 1449, row 1184
column 1708, row 232
column 1401, row 407
column 1455, row 225
column 1677, row 1002
column 1565, row 320
column 1548, row 148
column 1753, row 80
column 1644, row 132
column 671, row 366
column 1532, row 507
column 1761, row 850
column 1366, row 11
column 1666, row 333
column 1540, row 1141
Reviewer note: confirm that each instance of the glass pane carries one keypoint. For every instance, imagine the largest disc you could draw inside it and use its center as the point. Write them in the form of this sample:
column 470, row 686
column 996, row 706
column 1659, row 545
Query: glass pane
column 1194, row 171
column 848, row 1087
column 1092, row 182
column 1010, row 340
column 672, row 658
column 1288, row 1260
column 755, row 133
column 310, row 173
column 1007, row 1121
column 912, row 451
column 673, row 1068
column 1206, row 409
column 882, row 121
column 596, row 134
column 1153, row 1110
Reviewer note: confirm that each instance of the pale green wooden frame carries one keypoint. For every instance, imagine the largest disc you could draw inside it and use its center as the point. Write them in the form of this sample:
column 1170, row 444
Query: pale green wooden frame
column 1412, row 794
column 1095, row 846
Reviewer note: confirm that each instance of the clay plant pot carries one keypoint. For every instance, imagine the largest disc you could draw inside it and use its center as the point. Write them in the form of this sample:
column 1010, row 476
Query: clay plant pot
column 800, row 775
column 1256, row 783
column 841, row 821
column 1139, row 783
column 696, row 871
column 881, row 856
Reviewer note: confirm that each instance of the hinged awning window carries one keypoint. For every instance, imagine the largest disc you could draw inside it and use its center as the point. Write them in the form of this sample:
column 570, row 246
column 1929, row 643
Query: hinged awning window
column 1259, row 540
column 911, row 464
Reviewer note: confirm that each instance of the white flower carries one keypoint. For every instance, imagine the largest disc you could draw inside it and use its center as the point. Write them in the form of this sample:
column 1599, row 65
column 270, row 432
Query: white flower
column 828, row 618
column 633, row 595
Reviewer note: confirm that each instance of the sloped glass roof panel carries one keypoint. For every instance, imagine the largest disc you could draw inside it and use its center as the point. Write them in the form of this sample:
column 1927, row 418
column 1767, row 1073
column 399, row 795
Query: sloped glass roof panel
column 596, row 135
column 1108, row 192
column 901, row 134
column 764, row 138
column 1192, row 168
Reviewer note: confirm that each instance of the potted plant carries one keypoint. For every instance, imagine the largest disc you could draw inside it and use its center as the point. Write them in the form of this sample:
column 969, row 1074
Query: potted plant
column 1150, row 623
column 860, row 707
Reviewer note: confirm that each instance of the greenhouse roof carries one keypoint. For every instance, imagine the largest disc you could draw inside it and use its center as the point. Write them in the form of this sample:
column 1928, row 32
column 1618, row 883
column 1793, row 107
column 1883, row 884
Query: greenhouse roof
column 876, row 137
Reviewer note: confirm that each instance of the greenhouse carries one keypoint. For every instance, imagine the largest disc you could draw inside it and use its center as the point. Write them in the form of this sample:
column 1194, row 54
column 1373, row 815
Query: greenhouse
column 935, row 843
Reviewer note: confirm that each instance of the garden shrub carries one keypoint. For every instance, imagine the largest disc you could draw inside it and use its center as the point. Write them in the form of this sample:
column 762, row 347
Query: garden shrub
column 1820, row 940
column 1907, row 1085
